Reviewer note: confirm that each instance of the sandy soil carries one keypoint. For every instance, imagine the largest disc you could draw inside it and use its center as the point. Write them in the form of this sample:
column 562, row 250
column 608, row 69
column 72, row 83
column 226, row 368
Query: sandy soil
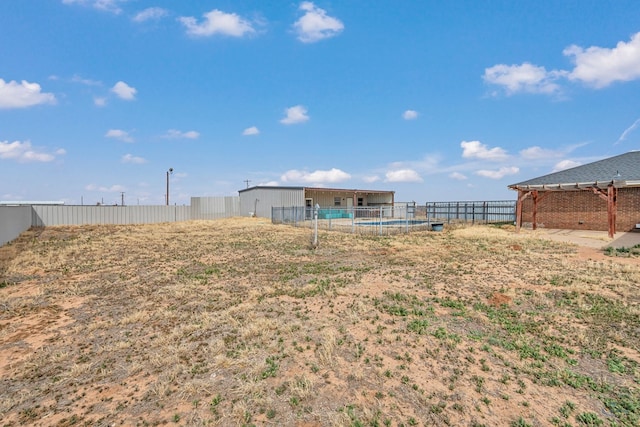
column 239, row 322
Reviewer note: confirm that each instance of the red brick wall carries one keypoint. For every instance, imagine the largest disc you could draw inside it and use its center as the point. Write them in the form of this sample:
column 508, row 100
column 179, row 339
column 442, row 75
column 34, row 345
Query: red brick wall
column 583, row 210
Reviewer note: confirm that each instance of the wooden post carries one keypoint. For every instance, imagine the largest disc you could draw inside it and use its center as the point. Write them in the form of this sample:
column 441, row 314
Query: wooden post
column 611, row 209
column 521, row 196
column 534, row 213
column 519, row 211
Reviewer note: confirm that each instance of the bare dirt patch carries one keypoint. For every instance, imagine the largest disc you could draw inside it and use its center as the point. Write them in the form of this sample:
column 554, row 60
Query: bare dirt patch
column 240, row 322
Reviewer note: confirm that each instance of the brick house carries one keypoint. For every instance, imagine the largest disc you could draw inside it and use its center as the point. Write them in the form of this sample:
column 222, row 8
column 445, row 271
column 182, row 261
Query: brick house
column 603, row 195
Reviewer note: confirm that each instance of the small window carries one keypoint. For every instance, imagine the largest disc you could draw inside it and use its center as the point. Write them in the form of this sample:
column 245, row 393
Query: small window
column 360, row 201
column 336, row 201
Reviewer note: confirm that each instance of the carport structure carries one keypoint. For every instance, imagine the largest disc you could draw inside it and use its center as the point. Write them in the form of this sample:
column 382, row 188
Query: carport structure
column 603, row 195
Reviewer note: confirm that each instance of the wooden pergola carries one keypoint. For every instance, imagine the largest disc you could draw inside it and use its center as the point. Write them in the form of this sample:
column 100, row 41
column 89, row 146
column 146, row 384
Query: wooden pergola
column 606, row 191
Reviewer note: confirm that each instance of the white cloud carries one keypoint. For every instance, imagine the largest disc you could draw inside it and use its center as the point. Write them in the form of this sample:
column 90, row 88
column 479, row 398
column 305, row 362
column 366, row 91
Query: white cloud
column 124, row 91
column 99, row 101
column 296, row 114
column 457, row 176
column 150, row 13
column 113, row 189
column 176, row 134
column 410, row 115
column 565, row 164
column 477, row 150
column 119, row 134
column 627, row 131
column 23, row 95
column 526, row 78
column 403, row 175
column 599, row 66
column 268, row 184
column 498, row 174
column 217, row 22
column 319, row 176
column 105, row 5
column 129, row 158
column 535, row 153
column 87, row 82
column 251, row 131
column 371, row 179
column 23, row 152
column 315, row 24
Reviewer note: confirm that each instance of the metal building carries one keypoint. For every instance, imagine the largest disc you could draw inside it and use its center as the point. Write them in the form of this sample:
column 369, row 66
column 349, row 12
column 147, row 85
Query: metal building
column 259, row 200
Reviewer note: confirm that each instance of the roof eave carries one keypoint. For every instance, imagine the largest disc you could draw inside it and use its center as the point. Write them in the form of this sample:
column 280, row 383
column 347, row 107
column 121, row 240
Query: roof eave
column 575, row 185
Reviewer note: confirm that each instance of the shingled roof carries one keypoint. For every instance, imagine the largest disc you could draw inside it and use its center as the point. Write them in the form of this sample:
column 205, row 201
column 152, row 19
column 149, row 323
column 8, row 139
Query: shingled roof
column 619, row 171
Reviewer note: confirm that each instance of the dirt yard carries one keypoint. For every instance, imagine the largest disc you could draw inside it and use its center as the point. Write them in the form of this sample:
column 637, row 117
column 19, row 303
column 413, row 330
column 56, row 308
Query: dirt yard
column 239, row 322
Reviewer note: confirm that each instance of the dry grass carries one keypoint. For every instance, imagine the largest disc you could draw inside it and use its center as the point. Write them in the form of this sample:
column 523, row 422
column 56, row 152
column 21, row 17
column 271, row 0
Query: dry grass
column 239, row 322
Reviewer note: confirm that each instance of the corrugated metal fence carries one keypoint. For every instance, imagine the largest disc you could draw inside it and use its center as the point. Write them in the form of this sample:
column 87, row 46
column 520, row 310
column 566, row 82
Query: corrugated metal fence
column 45, row 215
column 16, row 219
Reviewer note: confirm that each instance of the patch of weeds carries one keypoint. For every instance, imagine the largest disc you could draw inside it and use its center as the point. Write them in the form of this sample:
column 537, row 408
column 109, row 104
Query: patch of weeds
column 589, row 419
column 626, row 406
column 450, row 337
column 559, row 422
column 618, row 364
column 350, row 410
column 476, row 335
column 4, row 284
column 479, row 382
column 419, row 326
column 213, row 406
column 520, row 422
column 272, row 368
column 567, row 408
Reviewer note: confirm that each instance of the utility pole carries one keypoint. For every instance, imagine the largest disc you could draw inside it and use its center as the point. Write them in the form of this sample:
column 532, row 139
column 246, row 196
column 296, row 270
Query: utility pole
column 122, row 198
column 247, row 181
column 169, row 172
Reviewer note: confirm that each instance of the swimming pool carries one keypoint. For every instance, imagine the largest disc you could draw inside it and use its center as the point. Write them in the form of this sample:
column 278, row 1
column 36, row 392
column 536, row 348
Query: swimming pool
column 394, row 222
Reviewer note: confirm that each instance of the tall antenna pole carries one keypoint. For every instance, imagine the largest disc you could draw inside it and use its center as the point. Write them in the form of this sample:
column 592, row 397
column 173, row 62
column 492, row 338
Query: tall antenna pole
column 247, row 181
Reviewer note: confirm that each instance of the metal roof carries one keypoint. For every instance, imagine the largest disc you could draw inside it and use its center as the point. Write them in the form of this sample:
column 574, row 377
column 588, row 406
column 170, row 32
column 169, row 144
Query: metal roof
column 268, row 187
column 620, row 171
column 31, row 202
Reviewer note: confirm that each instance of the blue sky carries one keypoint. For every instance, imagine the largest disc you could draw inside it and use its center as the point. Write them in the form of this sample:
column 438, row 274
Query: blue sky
column 437, row 100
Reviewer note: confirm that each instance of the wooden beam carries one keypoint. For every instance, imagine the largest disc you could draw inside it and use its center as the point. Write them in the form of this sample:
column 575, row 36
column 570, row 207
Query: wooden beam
column 522, row 194
column 601, row 193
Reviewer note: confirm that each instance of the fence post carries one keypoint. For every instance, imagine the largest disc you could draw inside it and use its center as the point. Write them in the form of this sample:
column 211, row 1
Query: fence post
column 315, row 226
column 485, row 212
column 353, row 219
column 473, row 213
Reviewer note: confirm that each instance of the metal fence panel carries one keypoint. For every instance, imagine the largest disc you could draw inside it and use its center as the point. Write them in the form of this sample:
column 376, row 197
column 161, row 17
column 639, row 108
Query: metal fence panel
column 13, row 221
column 483, row 212
column 215, row 207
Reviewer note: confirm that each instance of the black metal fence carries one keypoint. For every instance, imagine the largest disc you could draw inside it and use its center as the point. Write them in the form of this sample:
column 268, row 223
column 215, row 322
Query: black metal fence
column 486, row 212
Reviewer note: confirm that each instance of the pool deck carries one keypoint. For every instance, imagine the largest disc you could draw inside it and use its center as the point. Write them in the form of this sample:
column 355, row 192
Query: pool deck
column 590, row 238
